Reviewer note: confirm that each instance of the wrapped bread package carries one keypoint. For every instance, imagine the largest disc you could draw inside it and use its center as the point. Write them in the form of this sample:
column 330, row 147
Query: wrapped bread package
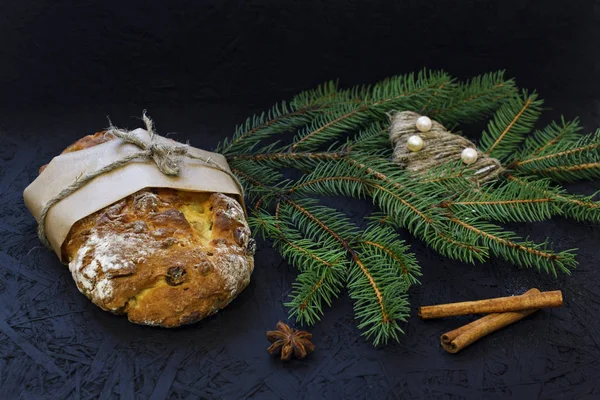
column 165, row 249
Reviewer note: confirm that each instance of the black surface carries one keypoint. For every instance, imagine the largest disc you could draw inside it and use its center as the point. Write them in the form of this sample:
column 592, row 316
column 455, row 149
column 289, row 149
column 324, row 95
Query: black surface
column 202, row 67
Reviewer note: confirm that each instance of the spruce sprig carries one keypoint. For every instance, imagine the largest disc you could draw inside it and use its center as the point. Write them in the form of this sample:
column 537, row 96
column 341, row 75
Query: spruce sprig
column 508, row 201
column 337, row 140
column 544, row 139
column 577, row 207
column 475, row 99
column 567, row 160
column 510, row 125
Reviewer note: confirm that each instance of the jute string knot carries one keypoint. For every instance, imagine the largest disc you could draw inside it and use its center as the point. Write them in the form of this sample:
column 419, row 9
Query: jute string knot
column 167, row 158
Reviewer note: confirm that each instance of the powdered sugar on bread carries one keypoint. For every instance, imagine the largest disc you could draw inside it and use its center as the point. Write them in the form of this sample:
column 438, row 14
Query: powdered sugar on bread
column 163, row 258
column 104, row 260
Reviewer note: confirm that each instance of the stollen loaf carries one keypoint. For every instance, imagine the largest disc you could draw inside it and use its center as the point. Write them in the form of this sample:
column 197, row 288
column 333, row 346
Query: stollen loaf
column 162, row 256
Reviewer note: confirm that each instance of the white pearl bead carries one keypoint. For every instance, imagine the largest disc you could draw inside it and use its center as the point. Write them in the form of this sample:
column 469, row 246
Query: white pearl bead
column 424, row 124
column 469, row 155
column 414, row 143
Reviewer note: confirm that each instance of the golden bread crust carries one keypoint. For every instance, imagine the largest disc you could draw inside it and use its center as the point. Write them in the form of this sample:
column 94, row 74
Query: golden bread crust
column 163, row 257
column 83, row 143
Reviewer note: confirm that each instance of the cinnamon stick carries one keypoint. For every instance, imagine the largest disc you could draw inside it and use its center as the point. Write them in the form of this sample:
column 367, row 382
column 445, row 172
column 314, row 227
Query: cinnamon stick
column 497, row 305
column 456, row 340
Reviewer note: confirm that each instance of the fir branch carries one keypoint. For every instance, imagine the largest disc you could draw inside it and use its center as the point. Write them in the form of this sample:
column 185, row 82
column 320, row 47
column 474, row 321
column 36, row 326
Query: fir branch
column 583, row 147
column 282, row 117
column 506, row 244
column 341, row 147
column 383, row 241
column 257, row 180
column 507, row 202
column 458, row 246
column 307, row 250
column 379, row 319
column 475, row 99
column 510, row 124
column 401, row 90
column 279, row 118
column 300, row 161
column 309, row 216
column 351, row 177
column 541, row 141
column 350, row 186
column 454, row 176
column 451, row 243
column 372, row 140
column 285, row 158
column 379, row 295
column 259, row 176
column 312, row 289
column 566, row 160
column 592, row 170
column 405, row 91
column 345, row 118
column 392, row 304
column 322, row 277
column 405, row 206
column 294, row 244
column 384, row 318
column 449, row 176
column 323, row 267
column 579, row 208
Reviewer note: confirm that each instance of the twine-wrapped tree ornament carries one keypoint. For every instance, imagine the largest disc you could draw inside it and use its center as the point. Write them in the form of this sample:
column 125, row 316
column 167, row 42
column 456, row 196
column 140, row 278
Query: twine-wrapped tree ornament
column 439, row 147
column 447, row 192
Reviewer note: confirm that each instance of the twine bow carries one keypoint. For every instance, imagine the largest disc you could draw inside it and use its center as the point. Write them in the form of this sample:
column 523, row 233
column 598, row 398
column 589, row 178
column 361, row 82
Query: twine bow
column 167, row 158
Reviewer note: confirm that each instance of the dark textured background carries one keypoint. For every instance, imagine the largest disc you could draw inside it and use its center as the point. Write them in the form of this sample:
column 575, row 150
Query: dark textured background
column 202, row 67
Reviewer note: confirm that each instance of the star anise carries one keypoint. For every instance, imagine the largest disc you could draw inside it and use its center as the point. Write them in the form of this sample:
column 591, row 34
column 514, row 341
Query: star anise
column 288, row 341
